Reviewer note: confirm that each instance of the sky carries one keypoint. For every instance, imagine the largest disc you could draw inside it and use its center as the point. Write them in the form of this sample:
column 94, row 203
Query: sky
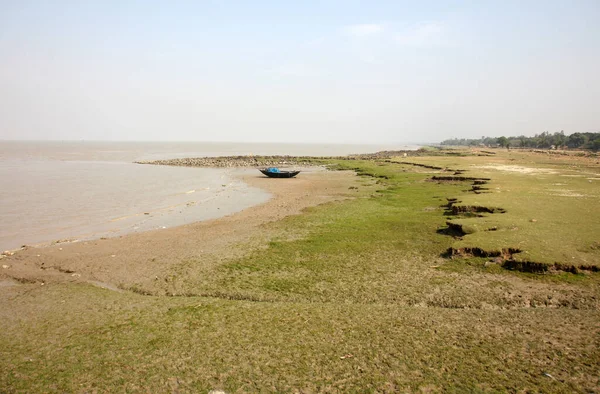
column 326, row 71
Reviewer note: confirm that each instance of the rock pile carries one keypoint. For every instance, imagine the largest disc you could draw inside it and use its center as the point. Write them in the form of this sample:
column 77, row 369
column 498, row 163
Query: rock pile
column 241, row 161
column 271, row 161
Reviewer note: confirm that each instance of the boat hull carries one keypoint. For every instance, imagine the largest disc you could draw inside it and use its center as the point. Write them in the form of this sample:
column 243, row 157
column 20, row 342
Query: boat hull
column 280, row 174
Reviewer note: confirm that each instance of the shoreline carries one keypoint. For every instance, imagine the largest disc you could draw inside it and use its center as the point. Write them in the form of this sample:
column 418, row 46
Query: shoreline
column 139, row 259
column 73, row 200
column 126, row 206
column 236, row 174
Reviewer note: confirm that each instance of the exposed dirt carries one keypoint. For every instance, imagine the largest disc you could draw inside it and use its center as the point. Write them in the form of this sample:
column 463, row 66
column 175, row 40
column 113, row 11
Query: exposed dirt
column 506, row 257
column 505, row 254
column 536, row 267
column 518, row 169
column 142, row 259
column 479, row 189
column 424, row 166
column 459, row 179
column 461, row 209
column 455, row 230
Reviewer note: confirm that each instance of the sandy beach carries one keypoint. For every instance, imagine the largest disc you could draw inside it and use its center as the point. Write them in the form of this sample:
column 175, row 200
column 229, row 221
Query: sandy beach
column 143, row 260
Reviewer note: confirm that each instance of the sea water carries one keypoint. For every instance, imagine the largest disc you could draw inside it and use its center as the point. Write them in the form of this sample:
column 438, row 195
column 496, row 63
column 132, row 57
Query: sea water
column 75, row 190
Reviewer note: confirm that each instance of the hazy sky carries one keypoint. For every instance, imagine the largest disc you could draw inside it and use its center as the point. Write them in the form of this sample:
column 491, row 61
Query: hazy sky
column 297, row 71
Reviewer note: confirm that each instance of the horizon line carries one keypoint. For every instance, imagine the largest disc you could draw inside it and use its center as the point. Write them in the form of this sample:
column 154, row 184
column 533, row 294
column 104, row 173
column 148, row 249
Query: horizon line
column 222, row 142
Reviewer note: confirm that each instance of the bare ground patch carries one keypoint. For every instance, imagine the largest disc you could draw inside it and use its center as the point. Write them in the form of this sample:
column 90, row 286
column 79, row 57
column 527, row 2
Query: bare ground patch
column 516, row 169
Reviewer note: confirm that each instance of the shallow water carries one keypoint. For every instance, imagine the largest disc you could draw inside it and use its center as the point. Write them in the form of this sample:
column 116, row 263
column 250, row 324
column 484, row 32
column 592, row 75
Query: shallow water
column 81, row 190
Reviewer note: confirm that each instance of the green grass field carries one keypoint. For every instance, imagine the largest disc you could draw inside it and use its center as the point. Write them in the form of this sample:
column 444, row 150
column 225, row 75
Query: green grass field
column 353, row 296
column 552, row 208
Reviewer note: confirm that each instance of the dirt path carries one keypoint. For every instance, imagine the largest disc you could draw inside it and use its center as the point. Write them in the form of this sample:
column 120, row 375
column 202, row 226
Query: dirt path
column 144, row 258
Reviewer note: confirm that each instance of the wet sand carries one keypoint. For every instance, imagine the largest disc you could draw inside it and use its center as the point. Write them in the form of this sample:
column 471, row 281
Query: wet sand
column 144, row 259
column 45, row 201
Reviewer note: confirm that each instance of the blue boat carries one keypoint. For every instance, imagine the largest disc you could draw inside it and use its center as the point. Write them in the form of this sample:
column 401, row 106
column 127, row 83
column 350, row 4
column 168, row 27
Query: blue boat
column 274, row 172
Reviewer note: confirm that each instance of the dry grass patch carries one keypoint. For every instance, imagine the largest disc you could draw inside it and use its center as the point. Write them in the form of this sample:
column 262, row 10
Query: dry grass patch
column 137, row 344
column 552, row 227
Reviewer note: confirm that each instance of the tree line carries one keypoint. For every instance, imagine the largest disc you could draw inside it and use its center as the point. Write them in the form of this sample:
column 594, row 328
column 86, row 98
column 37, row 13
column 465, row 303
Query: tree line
column 544, row 140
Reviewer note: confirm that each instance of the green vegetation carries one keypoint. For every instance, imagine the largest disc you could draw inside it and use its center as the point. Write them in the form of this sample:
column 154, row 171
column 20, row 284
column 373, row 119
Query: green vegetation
column 549, row 209
column 544, row 140
column 354, row 296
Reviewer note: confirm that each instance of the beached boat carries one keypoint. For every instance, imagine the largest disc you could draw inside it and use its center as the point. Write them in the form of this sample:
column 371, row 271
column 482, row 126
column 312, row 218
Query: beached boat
column 273, row 172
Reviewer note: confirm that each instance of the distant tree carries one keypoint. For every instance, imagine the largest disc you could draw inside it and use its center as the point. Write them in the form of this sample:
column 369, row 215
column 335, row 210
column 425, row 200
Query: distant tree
column 576, row 140
column 544, row 140
column 514, row 141
column 560, row 139
column 489, row 141
column 502, row 141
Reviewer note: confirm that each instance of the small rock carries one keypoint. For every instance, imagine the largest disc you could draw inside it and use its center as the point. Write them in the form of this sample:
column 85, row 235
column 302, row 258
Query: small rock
column 76, row 275
column 5, row 266
column 7, row 253
column 533, row 220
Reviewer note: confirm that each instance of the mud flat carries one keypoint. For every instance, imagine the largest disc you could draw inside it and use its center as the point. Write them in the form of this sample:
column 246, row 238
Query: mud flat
column 45, row 201
column 139, row 258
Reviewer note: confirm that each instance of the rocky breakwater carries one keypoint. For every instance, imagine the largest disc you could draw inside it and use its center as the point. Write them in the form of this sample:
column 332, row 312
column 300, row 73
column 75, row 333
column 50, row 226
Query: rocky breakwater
column 273, row 161
column 242, row 161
